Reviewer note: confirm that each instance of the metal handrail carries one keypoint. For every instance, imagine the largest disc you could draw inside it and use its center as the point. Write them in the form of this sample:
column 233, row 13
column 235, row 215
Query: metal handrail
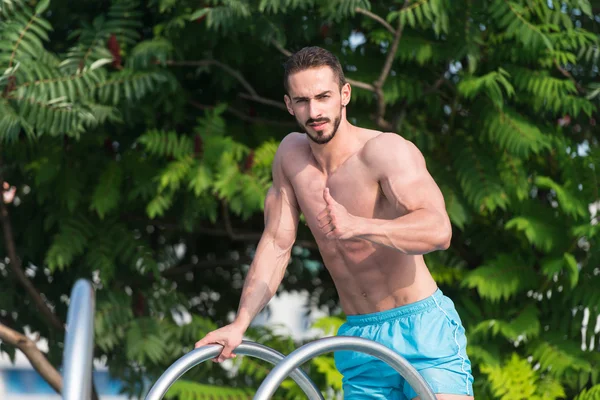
column 336, row 343
column 79, row 343
column 247, row 348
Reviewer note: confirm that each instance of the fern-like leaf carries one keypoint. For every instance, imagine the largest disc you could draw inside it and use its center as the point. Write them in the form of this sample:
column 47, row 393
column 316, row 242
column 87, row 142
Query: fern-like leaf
column 589, row 394
column 108, row 191
column 559, row 357
column 570, row 203
column 516, row 380
column 539, row 228
column 166, row 144
column 478, row 177
column 111, row 319
column 509, row 130
column 515, row 19
column 423, row 14
column 147, row 341
column 223, row 15
column 150, row 52
column 187, row 390
column 566, row 265
column 493, row 84
column 501, row 277
column 129, row 85
column 525, row 325
column 70, row 241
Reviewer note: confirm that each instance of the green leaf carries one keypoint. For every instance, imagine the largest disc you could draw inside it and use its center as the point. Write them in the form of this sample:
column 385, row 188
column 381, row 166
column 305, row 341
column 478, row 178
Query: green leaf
column 493, row 84
column 328, row 325
column 559, row 357
column 513, row 132
column 107, row 193
column 146, row 341
column 326, row 366
column 540, row 228
column 525, row 326
column 159, row 205
column 501, row 277
column 188, row 390
column 592, row 393
column 199, row 13
column 70, row 241
column 570, row 203
column 515, row 380
column 585, row 7
column 41, row 6
column 200, row 179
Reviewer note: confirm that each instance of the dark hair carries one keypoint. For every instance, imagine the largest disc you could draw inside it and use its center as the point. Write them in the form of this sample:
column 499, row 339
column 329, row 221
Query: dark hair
column 312, row 57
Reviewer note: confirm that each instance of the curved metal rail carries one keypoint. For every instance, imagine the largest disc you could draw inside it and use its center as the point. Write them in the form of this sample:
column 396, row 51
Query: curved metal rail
column 197, row 356
column 79, row 343
column 336, row 343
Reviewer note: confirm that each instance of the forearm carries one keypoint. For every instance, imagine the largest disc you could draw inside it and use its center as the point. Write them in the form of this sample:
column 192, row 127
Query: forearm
column 263, row 279
column 419, row 232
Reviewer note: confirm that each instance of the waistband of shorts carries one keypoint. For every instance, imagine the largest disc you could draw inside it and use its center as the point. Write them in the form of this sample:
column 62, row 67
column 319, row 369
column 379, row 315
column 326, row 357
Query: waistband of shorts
column 394, row 313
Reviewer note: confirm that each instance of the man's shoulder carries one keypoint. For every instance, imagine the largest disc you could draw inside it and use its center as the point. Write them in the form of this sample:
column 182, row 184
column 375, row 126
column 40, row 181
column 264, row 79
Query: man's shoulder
column 386, row 145
column 389, row 153
column 292, row 146
column 292, row 140
column 293, row 143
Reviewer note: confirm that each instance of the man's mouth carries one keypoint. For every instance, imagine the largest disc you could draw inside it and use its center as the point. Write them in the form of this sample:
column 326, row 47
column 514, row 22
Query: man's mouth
column 318, row 125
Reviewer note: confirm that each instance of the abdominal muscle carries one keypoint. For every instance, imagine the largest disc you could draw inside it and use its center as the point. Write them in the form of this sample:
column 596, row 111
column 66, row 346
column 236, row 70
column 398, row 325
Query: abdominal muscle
column 370, row 277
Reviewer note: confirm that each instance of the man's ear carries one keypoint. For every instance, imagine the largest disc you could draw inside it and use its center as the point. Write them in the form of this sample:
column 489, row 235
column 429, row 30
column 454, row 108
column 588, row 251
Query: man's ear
column 346, row 94
column 288, row 104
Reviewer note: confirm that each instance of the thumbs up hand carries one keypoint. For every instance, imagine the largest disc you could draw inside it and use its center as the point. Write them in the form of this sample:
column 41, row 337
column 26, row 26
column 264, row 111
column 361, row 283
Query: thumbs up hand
column 335, row 221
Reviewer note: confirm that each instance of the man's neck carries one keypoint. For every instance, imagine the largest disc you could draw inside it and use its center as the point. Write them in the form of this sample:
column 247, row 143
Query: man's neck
column 331, row 155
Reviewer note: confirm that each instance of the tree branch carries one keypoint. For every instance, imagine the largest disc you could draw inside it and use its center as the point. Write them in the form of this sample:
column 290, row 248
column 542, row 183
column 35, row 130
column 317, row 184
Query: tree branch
column 229, row 228
column 16, row 267
column 568, row 75
column 376, row 18
column 245, row 117
column 362, row 85
column 264, row 100
column 17, row 270
column 34, row 355
column 279, row 47
column 199, row 63
column 435, row 86
column 252, row 94
column 385, row 71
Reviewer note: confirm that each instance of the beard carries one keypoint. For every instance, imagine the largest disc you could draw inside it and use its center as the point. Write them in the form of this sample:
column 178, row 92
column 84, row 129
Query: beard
column 322, row 137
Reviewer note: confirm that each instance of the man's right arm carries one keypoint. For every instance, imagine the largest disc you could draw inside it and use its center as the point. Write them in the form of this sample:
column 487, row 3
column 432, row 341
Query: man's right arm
column 274, row 248
column 270, row 261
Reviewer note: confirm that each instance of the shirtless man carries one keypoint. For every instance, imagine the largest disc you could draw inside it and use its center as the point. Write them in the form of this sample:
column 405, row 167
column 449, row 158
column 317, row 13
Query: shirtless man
column 374, row 210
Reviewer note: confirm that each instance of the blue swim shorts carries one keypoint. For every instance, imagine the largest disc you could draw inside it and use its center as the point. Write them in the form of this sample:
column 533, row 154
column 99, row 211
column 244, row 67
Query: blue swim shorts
column 428, row 333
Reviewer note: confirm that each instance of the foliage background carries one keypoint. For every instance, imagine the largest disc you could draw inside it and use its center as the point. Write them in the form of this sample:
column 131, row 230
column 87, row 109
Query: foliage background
column 139, row 138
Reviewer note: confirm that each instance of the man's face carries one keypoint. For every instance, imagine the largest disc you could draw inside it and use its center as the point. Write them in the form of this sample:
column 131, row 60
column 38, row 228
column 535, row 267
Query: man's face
column 316, row 101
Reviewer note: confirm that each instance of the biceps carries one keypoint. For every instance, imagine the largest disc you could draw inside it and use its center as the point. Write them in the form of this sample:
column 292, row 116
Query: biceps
column 413, row 192
column 281, row 217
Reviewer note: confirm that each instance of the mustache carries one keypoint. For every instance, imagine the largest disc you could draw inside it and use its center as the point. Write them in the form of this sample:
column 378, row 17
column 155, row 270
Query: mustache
column 316, row 121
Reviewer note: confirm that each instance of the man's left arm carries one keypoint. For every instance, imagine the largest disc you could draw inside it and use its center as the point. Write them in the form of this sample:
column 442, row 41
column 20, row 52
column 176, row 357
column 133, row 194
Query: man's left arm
column 400, row 168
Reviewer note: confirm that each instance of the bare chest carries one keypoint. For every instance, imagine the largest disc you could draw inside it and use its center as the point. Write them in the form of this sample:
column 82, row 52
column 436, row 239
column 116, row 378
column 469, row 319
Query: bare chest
column 351, row 186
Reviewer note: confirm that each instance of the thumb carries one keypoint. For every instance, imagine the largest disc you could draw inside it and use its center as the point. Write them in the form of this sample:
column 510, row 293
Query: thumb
column 327, row 196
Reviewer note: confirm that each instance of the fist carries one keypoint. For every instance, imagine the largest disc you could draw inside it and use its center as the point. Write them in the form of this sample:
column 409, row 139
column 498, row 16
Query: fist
column 229, row 336
column 335, row 221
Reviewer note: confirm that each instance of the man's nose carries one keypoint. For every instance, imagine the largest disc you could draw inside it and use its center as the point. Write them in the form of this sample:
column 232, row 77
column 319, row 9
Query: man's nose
column 314, row 110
